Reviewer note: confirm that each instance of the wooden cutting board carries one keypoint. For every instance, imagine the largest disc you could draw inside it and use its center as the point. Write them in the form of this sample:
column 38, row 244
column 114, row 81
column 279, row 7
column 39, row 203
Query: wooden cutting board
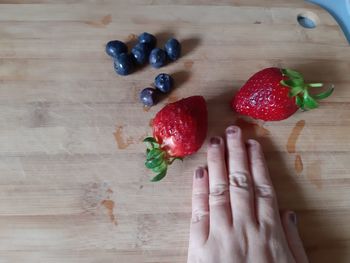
column 73, row 183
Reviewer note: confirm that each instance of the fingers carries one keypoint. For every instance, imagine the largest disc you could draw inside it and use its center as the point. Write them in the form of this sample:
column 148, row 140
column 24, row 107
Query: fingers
column 199, row 229
column 220, row 211
column 265, row 198
column 289, row 222
column 241, row 195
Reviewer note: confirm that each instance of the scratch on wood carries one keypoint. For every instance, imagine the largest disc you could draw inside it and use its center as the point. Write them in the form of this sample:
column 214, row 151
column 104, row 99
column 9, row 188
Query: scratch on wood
column 294, row 135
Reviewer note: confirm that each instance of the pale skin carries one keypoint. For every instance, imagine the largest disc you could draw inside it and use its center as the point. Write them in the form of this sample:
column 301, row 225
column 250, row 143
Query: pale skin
column 235, row 217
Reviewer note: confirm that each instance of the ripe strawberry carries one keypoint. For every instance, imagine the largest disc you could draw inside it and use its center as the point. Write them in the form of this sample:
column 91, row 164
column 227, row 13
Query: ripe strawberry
column 179, row 129
column 274, row 94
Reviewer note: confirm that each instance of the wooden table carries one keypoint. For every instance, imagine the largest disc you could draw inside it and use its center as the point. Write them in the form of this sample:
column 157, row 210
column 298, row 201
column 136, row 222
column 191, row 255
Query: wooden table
column 73, row 183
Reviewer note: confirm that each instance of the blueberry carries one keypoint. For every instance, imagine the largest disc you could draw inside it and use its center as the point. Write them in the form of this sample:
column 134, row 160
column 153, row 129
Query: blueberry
column 123, row 64
column 141, row 52
column 116, row 47
column 148, row 38
column 164, row 82
column 157, row 58
column 173, row 49
column 147, row 97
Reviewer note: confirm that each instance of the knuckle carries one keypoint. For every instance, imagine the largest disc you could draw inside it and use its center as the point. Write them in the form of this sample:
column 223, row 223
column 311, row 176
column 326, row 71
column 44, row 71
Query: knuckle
column 198, row 215
column 239, row 179
column 265, row 191
column 200, row 194
column 219, row 194
column 218, row 199
column 218, row 189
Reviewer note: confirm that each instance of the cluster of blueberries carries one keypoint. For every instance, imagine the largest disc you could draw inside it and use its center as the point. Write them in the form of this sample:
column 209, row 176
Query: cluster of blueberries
column 145, row 50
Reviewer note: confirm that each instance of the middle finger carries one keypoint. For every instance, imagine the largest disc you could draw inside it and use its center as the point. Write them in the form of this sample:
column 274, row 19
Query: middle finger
column 219, row 202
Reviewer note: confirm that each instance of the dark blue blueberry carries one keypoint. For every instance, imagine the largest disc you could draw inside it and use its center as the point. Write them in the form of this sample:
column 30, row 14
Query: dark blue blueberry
column 141, row 52
column 123, row 64
column 148, row 97
column 148, row 38
column 157, row 58
column 116, row 47
column 164, row 82
column 173, row 49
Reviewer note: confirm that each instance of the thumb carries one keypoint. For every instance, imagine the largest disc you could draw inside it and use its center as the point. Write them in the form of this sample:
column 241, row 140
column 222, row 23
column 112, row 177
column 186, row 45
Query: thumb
column 289, row 222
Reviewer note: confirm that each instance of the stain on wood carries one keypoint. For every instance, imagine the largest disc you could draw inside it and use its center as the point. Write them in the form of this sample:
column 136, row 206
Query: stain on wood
column 109, row 205
column 131, row 38
column 122, row 142
column 298, row 164
column 314, row 174
column 172, row 98
column 294, row 135
column 252, row 128
column 146, row 109
column 106, row 20
column 188, row 64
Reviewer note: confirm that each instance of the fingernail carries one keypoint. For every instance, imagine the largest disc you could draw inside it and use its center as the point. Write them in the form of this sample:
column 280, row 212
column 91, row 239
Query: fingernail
column 251, row 143
column 214, row 141
column 231, row 130
column 293, row 218
column 199, row 173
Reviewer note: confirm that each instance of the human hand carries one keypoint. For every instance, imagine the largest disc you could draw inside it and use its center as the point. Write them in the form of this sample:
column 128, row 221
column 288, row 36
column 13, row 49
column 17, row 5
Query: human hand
column 235, row 217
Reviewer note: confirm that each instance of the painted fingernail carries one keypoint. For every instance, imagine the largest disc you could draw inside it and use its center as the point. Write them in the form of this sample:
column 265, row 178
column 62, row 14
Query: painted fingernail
column 214, row 141
column 199, row 173
column 231, row 130
column 293, row 218
column 251, row 143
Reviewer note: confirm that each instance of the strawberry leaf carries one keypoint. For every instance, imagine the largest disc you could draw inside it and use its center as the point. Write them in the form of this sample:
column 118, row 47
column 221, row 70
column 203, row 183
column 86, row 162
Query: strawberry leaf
column 309, row 102
column 325, row 94
column 155, row 153
column 150, row 164
column 293, row 83
column 160, row 168
column 292, row 74
column 175, row 158
column 315, row 85
column 299, row 102
column 295, row 91
column 151, row 142
column 159, row 176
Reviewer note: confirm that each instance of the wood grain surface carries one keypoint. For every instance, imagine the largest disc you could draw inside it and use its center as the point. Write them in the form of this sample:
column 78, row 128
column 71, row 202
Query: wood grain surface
column 73, row 183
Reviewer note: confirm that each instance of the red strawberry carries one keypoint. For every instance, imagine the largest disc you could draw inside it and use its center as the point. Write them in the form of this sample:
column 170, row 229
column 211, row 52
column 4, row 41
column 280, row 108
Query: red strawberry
column 274, row 94
column 179, row 129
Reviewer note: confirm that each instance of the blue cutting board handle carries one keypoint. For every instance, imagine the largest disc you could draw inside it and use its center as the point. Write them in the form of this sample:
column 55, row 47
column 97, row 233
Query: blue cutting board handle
column 340, row 10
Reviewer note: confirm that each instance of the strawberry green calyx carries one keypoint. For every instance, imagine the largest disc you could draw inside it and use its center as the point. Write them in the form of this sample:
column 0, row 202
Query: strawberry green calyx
column 300, row 90
column 157, row 159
